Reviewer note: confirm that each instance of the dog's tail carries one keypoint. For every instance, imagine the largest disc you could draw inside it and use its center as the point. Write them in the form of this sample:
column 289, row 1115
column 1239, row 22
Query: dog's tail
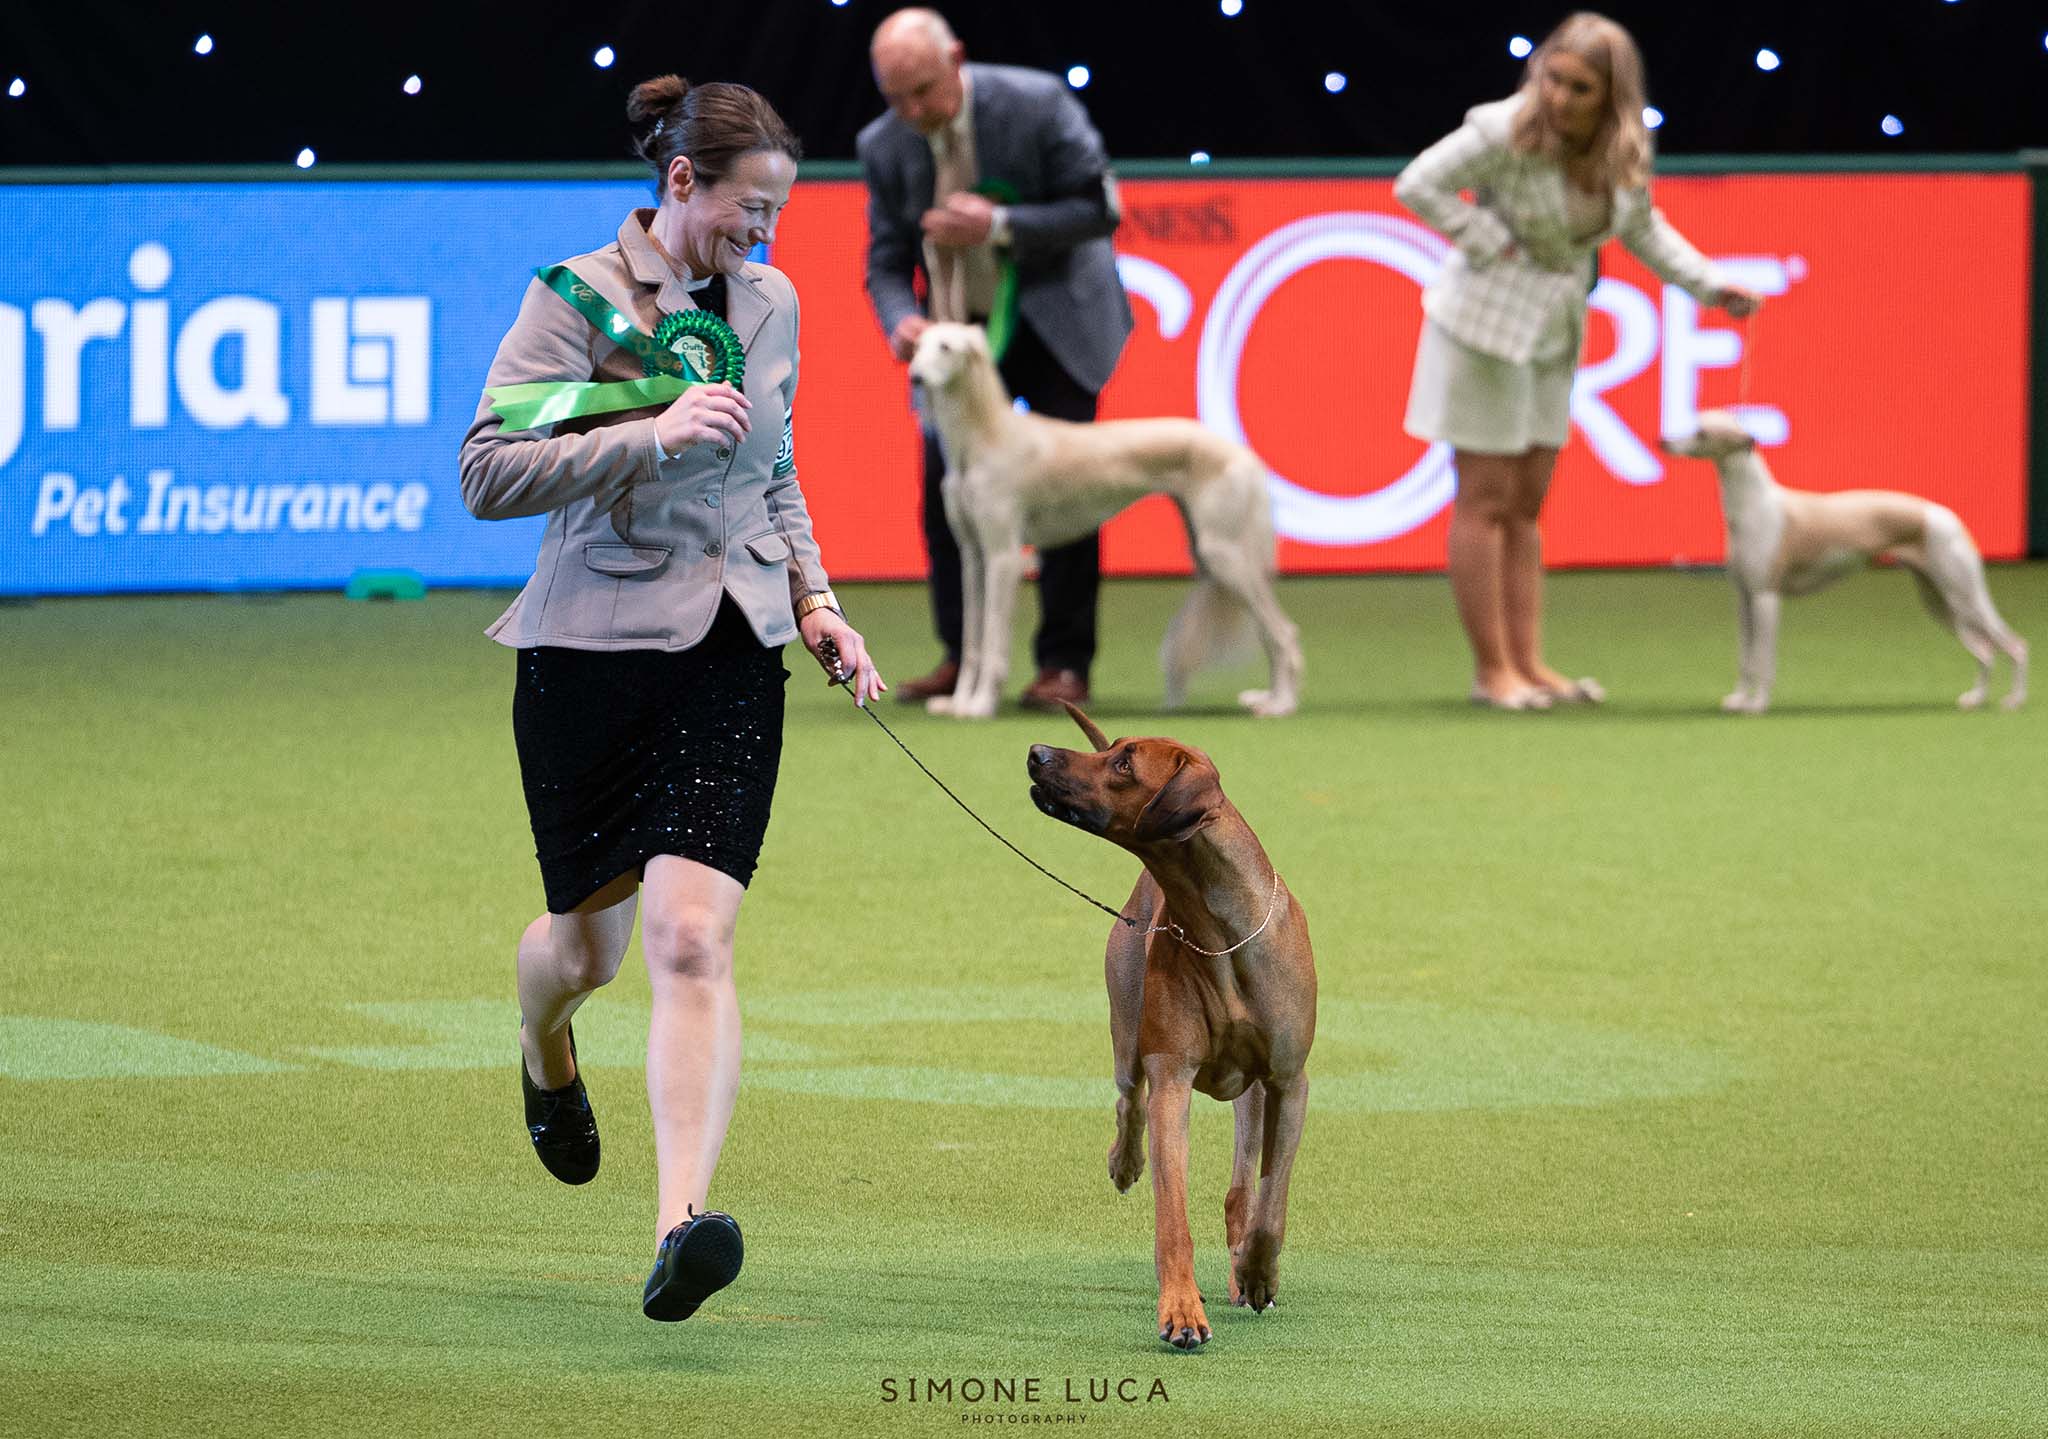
column 1931, row 598
column 1949, row 573
column 1953, row 559
column 1214, row 627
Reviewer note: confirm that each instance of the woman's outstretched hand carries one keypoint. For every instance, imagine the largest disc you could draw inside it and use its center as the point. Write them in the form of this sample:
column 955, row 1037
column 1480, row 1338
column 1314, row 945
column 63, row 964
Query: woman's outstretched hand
column 831, row 639
column 1739, row 303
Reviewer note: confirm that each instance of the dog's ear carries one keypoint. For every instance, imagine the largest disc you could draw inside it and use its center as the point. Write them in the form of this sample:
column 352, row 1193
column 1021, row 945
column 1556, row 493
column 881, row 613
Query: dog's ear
column 1088, row 726
column 1180, row 805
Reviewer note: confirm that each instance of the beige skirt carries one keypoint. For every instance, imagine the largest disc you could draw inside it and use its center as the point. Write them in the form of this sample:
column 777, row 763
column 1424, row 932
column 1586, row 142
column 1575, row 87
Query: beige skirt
column 1482, row 403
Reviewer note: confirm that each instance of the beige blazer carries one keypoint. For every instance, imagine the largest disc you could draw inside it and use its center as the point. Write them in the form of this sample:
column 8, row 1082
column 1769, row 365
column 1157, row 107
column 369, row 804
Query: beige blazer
column 1501, row 304
column 639, row 548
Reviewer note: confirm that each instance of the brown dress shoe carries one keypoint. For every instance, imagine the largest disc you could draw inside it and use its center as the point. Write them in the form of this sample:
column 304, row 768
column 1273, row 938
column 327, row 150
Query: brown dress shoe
column 939, row 682
column 1053, row 686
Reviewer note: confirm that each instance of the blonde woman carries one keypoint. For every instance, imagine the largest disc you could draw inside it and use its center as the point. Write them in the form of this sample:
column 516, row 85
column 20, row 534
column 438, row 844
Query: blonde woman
column 1555, row 170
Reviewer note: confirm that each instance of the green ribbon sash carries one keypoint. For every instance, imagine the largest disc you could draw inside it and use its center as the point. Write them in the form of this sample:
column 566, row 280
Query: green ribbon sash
column 655, row 357
column 546, row 402
column 1002, row 318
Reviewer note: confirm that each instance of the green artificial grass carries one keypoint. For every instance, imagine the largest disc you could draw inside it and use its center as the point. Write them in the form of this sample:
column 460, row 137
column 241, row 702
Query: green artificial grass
column 1677, row 1074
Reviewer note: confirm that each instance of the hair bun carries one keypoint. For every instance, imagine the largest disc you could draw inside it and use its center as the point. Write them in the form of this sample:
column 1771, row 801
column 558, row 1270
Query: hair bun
column 653, row 100
column 712, row 126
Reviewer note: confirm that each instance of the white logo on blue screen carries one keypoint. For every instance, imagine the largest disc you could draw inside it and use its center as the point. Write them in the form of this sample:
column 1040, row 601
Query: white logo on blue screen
column 368, row 364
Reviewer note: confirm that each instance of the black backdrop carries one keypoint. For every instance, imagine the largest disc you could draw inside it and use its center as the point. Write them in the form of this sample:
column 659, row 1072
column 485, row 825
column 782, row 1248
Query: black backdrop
column 118, row 83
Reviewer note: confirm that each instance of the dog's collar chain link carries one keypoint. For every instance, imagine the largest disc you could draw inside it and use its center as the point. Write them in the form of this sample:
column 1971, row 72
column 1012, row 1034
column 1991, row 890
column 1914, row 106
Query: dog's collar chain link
column 1180, row 934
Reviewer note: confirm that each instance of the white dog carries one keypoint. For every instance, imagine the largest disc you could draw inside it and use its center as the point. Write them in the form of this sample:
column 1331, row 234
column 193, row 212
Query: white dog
column 1793, row 542
column 1014, row 479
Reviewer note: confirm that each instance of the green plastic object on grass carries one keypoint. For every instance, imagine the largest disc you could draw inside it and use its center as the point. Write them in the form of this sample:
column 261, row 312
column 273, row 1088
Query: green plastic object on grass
column 386, row 585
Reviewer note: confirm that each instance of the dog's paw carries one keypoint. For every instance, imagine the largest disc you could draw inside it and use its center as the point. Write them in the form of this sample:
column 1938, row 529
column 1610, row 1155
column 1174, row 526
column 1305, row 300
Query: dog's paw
column 939, row 705
column 1255, row 1292
column 1126, row 1162
column 1971, row 699
column 1255, row 1273
column 2012, row 702
column 1265, row 704
column 1740, row 703
column 1182, row 1322
column 1257, row 1298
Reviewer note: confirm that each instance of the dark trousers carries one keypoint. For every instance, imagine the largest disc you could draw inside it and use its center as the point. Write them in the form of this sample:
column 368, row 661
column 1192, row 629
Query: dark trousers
column 1069, row 576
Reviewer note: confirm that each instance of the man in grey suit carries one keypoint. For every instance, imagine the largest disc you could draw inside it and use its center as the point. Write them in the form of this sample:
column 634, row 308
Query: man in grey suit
column 955, row 133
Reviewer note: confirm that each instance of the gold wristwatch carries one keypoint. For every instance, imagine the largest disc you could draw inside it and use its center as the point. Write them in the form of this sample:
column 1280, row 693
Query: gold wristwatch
column 818, row 600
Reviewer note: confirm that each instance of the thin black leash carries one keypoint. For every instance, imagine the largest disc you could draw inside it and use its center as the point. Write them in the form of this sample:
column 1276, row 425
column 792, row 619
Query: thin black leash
column 832, row 651
column 1272, row 903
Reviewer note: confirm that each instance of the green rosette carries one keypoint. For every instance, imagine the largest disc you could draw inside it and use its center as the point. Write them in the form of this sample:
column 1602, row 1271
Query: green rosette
column 707, row 344
column 687, row 348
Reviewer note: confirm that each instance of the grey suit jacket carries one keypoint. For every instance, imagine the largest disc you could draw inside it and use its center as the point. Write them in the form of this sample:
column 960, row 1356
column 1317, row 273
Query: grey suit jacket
column 638, row 548
column 1031, row 133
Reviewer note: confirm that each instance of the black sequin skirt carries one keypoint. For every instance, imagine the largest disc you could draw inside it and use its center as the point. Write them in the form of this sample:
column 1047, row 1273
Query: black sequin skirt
column 626, row 754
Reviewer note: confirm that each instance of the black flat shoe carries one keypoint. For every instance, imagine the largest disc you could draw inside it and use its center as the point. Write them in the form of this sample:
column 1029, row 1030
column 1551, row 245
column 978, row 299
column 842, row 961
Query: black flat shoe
column 699, row 1257
column 563, row 1129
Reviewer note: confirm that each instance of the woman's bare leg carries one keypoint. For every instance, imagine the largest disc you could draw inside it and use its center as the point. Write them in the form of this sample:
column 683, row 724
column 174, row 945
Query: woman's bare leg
column 693, row 1039
column 563, row 958
column 1522, row 570
column 1487, row 485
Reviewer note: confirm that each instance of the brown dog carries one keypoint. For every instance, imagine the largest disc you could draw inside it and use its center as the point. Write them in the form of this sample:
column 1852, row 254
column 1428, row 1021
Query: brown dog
column 1214, row 989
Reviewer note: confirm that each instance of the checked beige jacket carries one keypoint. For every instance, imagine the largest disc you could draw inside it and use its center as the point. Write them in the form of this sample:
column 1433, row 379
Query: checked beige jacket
column 639, row 547
column 1499, row 303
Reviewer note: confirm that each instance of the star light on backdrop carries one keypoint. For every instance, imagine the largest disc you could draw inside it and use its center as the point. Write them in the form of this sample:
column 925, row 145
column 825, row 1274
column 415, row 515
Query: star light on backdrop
column 317, row 72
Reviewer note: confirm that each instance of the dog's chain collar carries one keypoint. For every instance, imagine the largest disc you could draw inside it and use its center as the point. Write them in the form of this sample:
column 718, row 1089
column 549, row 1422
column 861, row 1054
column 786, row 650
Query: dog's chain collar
column 1182, row 935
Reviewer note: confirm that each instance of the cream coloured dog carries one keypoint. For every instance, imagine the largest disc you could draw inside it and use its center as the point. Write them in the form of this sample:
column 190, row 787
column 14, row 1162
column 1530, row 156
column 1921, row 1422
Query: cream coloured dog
column 1793, row 542
column 1014, row 479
